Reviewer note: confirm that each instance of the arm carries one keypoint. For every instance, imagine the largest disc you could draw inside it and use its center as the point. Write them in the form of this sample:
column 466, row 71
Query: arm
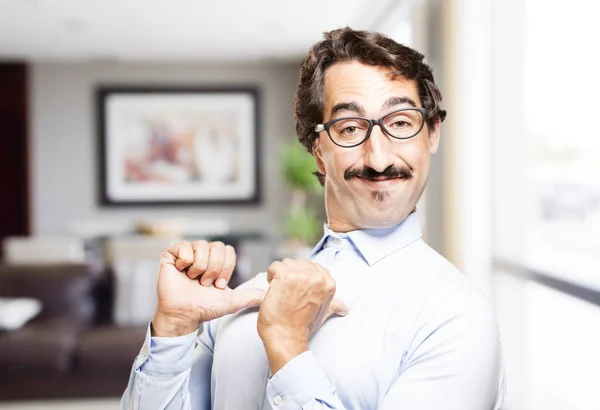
column 299, row 300
column 455, row 360
column 453, row 363
column 172, row 373
column 191, row 288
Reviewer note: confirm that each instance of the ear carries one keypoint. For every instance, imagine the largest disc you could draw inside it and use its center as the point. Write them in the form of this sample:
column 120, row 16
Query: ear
column 316, row 151
column 434, row 137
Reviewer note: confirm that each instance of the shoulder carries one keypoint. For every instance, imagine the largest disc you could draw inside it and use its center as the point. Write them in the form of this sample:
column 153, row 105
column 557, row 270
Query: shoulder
column 464, row 301
column 437, row 268
column 452, row 309
column 425, row 274
column 461, row 319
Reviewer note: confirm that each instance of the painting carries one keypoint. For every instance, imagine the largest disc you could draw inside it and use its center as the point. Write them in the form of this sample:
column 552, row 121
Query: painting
column 187, row 145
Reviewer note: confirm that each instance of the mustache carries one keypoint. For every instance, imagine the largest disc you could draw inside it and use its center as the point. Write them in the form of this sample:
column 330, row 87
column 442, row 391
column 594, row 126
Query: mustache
column 370, row 173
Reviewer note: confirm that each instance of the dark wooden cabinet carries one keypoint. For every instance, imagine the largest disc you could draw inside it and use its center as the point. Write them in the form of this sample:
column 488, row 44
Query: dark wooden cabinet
column 14, row 169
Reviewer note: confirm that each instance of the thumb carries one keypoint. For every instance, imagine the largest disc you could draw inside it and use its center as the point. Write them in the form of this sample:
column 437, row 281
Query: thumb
column 337, row 307
column 245, row 298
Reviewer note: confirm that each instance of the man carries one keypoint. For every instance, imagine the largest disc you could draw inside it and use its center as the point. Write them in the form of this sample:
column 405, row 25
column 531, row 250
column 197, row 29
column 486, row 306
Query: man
column 405, row 330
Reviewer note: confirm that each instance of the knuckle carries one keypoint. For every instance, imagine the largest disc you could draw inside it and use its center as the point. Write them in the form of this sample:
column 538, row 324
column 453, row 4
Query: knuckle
column 315, row 281
column 217, row 244
column 200, row 243
column 276, row 269
column 186, row 258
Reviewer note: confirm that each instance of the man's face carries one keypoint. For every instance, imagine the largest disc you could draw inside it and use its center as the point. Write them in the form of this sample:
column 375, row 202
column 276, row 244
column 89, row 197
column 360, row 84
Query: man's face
column 378, row 183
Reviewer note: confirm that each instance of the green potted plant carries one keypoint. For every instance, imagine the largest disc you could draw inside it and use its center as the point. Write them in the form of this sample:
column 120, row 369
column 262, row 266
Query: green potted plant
column 302, row 226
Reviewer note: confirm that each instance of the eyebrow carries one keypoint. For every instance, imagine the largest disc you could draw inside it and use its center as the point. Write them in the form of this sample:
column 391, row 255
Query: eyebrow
column 347, row 106
column 395, row 101
column 355, row 107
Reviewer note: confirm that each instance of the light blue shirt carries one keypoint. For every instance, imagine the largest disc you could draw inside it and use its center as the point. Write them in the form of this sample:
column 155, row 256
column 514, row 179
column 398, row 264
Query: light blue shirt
column 418, row 336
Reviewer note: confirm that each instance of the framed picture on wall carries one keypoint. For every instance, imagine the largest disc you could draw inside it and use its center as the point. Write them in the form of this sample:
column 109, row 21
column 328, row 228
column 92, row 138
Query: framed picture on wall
column 161, row 146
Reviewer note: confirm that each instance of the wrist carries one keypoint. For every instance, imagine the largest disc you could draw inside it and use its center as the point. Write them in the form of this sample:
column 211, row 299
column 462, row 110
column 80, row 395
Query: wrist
column 281, row 346
column 164, row 325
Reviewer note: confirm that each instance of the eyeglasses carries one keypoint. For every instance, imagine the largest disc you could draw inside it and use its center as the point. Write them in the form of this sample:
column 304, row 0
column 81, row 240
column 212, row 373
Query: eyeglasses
column 350, row 132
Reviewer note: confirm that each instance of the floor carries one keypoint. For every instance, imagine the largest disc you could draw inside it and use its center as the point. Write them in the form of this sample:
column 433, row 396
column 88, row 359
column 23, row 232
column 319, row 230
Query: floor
column 99, row 404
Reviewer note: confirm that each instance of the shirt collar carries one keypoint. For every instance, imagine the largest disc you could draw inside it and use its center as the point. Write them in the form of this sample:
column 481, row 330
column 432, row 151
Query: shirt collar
column 375, row 244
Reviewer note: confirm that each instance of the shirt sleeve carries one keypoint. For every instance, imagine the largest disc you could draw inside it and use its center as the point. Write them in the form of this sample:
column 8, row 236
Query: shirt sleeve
column 172, row 373
column 453, row 363
column 302, row 384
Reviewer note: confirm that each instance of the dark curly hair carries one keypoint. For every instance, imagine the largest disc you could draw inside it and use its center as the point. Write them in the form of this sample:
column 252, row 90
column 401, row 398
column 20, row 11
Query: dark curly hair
column 368, row 48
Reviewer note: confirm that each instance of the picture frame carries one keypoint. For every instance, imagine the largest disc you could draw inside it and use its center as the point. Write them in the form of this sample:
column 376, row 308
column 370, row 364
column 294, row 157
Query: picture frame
column 178, row 145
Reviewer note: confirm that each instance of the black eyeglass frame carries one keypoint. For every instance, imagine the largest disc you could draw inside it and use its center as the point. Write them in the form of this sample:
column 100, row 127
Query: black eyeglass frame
column 326, row 126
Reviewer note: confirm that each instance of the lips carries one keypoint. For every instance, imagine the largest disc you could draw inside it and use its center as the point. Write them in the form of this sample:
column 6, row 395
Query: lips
column 378, row 179
column 381, row 182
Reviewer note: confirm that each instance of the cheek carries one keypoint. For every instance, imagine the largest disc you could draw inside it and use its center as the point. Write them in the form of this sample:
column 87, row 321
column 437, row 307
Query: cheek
column 416, row 155
column 337, row 161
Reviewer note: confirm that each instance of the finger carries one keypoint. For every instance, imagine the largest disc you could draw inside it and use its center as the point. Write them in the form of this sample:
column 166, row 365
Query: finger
column 329, row 279
column 297, row 264
column 216, row 259
column 167, row 258
column 200, row 264
column 337, row 307
column 228, row 267
column 275, row 270
column 306, row 265
column 320, row 268
column 315, row 270
column 245, row 298
column 183, row 253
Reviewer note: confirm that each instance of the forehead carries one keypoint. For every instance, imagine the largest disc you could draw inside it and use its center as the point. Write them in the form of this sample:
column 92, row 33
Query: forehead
column 366, row 85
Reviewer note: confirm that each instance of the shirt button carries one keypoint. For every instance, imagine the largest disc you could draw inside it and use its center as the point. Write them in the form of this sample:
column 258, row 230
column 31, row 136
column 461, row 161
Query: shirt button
column 145, row 351
column 277, row 400
column 337, row 241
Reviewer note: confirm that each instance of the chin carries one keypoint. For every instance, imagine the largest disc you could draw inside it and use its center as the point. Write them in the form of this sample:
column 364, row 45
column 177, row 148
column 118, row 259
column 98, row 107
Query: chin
column 379, row 220
column 377, row 214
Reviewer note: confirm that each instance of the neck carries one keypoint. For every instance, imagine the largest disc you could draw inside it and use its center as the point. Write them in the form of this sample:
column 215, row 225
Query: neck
column 341, row 225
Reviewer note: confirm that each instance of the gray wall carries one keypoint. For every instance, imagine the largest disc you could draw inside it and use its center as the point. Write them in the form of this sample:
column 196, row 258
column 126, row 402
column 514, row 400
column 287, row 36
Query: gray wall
column 63, row 141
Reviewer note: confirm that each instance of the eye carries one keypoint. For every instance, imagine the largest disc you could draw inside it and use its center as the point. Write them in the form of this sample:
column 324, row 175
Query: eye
column 351, row 130
column 401, row 124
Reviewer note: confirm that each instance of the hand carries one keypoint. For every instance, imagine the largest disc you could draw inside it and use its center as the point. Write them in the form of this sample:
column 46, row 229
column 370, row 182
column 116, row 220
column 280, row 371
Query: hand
column 192, row 287
column 298, row 302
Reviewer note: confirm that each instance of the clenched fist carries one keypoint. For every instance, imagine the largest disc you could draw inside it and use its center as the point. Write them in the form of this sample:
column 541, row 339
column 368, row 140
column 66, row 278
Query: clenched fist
column 192, row 287
column 298, row 302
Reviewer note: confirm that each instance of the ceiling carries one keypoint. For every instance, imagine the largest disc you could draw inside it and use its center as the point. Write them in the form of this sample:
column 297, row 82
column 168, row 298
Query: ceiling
column 179, row 30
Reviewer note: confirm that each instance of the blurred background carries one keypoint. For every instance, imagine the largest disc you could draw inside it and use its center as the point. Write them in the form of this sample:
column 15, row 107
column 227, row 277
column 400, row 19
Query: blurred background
column 104, row 163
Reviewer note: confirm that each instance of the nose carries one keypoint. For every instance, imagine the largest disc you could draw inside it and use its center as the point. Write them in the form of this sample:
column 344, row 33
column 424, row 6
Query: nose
column 378, row 150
